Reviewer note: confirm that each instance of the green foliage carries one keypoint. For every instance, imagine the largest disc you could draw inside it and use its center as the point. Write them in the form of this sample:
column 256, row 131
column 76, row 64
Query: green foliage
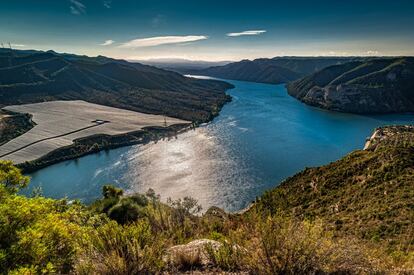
column 109, row 191
column 40, row 234
column 367, row 194
column 11, row 177
column 131, row 234
column 126, row 211
column 116, row 249
column 286, row 246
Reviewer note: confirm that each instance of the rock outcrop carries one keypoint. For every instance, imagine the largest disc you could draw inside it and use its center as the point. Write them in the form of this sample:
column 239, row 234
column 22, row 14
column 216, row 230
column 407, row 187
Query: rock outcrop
column 195, row 253
column 372, row 86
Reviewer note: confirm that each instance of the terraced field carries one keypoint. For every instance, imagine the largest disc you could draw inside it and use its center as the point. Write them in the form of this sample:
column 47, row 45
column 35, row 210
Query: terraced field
column 61, row 122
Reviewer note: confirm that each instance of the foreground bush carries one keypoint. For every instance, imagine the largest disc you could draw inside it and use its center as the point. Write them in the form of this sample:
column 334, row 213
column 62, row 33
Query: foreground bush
column 131, row 235
column 117, row 249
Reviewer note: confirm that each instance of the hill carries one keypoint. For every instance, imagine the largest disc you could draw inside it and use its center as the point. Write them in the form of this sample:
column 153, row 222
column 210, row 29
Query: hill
column 369, row 193
column 275, row 71
column 380, row 85
column 353, row 216
column 183, row 66
column 30, row 76
column 13, row 125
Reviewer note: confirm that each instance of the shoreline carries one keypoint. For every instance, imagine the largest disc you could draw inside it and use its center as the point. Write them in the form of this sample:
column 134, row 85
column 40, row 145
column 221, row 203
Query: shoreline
column 102, row 142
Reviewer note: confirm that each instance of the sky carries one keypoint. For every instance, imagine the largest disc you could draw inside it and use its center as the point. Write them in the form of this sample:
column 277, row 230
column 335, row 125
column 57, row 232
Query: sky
column 210, row 30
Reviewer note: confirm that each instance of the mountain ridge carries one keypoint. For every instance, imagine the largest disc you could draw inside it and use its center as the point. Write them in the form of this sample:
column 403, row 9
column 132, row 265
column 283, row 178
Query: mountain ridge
column 31, row 76
column 275, row 70
column 380, row 85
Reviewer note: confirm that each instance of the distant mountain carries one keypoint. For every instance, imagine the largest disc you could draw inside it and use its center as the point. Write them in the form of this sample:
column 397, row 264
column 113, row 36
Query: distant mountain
column 380, row 85
column 183, row 66
column 31, row 76
column 275, row 71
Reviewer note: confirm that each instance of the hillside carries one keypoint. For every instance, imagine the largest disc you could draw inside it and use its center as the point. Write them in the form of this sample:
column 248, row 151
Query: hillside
column 13, row 125
column 30, row 76
column 275, row 71
column 382, row 85
column 353, row 216
column 369, row 193
column 183, row 66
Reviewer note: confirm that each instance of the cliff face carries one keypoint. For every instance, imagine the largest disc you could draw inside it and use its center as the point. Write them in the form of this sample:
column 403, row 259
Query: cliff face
column 374, row 86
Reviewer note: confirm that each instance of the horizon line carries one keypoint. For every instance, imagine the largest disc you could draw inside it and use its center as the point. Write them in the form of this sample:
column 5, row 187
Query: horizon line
column 212, row 60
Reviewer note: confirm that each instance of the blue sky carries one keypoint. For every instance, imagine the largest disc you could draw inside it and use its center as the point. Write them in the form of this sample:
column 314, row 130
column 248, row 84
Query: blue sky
column 209, row 30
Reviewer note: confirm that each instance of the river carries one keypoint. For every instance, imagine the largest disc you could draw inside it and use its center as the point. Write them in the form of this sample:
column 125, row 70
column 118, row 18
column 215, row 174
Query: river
column 259, row 139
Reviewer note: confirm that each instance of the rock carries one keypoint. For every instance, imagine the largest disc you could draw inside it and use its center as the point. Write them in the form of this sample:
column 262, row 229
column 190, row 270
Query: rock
column 382, row 85
column 194, row 253
column 383, row 133
column 216, row 212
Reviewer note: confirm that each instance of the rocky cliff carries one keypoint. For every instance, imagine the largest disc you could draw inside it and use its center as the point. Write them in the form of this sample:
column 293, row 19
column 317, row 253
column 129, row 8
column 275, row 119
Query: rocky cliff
column 383, row 85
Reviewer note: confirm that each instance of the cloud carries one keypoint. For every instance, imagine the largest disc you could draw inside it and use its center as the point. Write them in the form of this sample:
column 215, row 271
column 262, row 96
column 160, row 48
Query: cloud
column 17, row 45
column 77, row 7
column 254, row 32
column 161, row 40
column 107, row 4
column 107, row 42
column 372, row 52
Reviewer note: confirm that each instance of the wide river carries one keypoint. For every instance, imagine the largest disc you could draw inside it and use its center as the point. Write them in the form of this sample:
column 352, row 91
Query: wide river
column 259, row 139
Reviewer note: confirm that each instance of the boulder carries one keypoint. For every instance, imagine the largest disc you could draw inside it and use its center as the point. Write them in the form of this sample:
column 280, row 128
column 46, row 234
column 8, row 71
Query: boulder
column 195, row 253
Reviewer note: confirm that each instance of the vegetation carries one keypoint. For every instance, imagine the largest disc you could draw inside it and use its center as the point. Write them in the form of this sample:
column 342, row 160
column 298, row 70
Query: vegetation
column 377, row 85
column 33, row 76
column 13, row 125
column 352, row 216
column 368, row 194
column 95, row 143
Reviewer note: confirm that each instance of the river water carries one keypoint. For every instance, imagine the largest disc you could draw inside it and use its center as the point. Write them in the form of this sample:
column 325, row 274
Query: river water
column 259, row 139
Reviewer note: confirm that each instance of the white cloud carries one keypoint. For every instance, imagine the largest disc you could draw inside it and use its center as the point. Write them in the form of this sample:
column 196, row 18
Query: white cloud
column 254, row 32
column 77, row 7
column 17, row 45
column 372, row 52
column 336, row 53
column 161, row 40
column 107, row 4
column 107, row 42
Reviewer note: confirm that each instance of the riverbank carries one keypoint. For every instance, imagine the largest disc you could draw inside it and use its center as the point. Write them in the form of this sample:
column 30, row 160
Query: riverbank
column 100, row 142
column 69, row 129
column 261, row 138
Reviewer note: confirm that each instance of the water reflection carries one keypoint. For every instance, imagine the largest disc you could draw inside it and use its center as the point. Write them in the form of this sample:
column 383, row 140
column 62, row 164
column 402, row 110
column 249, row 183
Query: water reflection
column 259, row 139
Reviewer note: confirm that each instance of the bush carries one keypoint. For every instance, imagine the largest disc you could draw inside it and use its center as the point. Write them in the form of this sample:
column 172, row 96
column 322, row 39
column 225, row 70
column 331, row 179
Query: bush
column 286, row 246
column 126, row 211
column 116, row 249
column 40, row 234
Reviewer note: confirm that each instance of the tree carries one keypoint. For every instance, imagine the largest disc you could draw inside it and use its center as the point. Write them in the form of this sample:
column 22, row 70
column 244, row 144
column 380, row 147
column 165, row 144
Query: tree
column 109, row 191
column 11, row 176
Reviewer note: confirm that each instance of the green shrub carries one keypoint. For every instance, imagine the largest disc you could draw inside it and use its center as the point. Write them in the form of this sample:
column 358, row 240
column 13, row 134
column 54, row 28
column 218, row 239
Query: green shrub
column 117, row 249
column 126, row 211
